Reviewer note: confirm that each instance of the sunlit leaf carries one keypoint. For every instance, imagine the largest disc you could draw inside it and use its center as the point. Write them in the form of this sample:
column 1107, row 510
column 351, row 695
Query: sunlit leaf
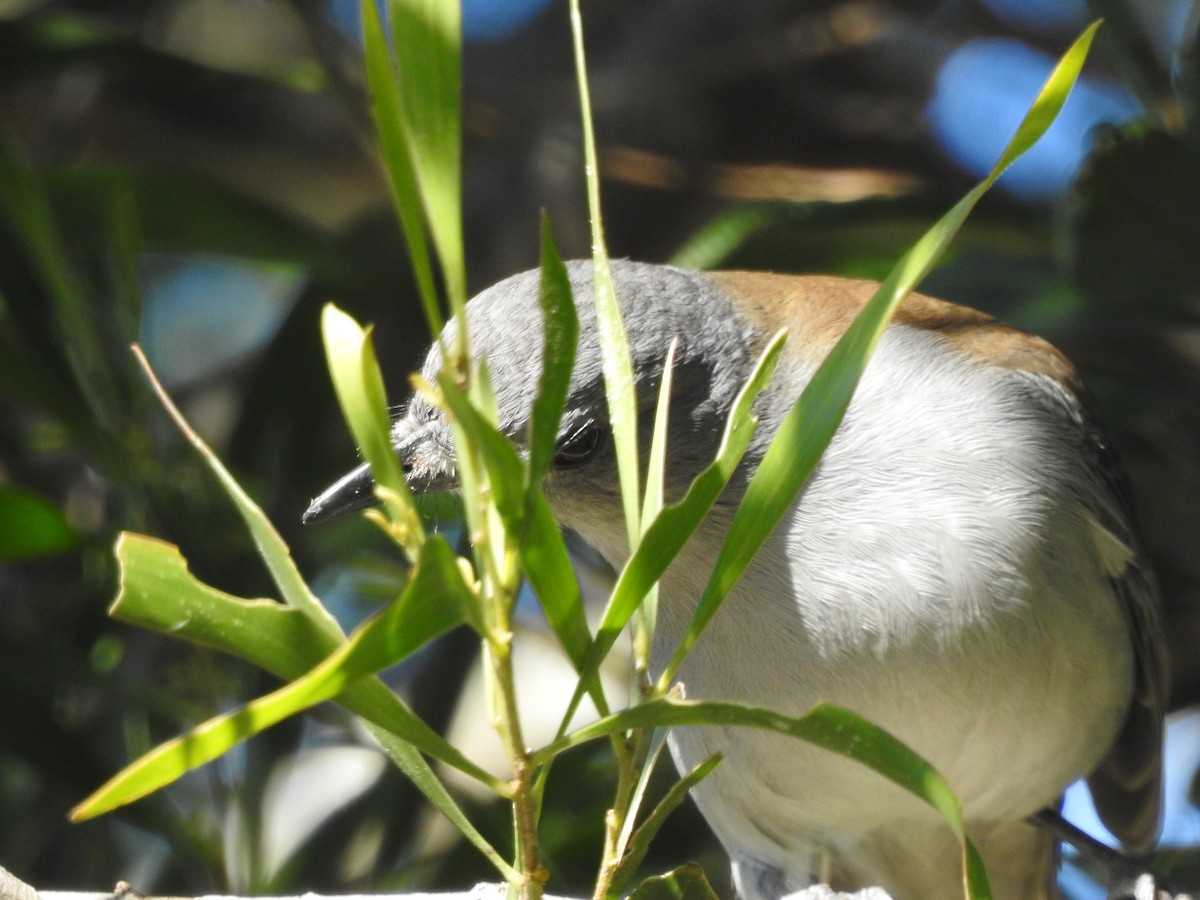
column 825, row 726
column 816, row 415
column 398, row 158
column 560, row 326
column 271, row 546
column 431, row 602
column 674, row 526
column 158, row 592
column 427, row 41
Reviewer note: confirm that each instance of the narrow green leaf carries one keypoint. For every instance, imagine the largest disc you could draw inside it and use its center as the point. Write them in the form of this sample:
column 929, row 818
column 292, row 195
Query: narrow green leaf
column 506, row 473
column 359, row 387
column 619, row 388
column 656, row 465
column 827, row 726
column 23, row 203
column 427, row 39
column 667, row 534
column 433, row 601
column 1048, row 103
column 544, row 557
column 271, row 546
column 651, row 752
column 547, row 564
column 527, row 516
column 560, row 326
column 639, row 845
column 652, row 505
column 158, row 592
column 397, row 157
column 808, row 428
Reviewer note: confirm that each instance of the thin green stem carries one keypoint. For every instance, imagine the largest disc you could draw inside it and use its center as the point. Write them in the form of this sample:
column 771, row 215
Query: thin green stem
column 526, row 796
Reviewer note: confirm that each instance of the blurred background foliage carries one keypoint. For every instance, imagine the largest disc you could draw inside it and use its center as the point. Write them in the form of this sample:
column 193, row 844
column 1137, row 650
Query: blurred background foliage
column 201, row 175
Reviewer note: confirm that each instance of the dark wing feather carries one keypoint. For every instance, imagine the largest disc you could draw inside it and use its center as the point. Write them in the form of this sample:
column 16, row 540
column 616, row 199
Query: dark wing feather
column 1127, row 786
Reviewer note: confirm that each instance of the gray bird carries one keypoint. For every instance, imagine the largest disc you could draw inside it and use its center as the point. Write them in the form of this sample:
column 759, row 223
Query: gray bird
column 961, row 569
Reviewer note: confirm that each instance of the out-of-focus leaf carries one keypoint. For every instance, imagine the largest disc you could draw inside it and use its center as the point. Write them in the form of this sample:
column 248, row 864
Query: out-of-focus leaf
column 1187, row 77
column 31, row 526
column 34, row 45
column 183, row 213
column 1134, row 223
column 24, row 204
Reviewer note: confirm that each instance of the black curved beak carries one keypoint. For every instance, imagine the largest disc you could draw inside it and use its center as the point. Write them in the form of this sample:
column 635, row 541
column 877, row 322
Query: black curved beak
column 353, row 491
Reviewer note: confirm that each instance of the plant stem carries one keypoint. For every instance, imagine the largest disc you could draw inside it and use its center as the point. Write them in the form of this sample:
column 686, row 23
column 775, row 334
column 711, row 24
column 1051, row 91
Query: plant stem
column 628, row 754
column 508, row 724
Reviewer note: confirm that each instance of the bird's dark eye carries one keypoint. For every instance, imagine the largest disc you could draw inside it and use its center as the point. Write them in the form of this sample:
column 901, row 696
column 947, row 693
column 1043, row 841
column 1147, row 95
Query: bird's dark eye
column 578, row 446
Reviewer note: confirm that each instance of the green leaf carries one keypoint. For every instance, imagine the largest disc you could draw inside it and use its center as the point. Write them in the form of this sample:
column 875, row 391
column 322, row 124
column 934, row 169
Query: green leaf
column 158, row 592
column 427, row 38
column 360, row 391
column 47, row 44
column 398, row 158
column 809, row 426
column 688, row 882
column 720, row 236
column 560, row 326
column 652, row 504
column 31, row 526
column 528, row 518
column 672, row 528
column 544, row 557
column 827, row 726
column 639, row 844
column 359, row 387
column 619, row 388
column 270, row 545
column 547, row 564
column 506, row 473
column 433, row 601
column 1046, row 106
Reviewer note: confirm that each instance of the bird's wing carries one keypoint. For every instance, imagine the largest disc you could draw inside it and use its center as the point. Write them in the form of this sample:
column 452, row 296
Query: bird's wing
column 1127, row 787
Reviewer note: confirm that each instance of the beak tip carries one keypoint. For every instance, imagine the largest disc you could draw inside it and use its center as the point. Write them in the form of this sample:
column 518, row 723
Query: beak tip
column 351, row 492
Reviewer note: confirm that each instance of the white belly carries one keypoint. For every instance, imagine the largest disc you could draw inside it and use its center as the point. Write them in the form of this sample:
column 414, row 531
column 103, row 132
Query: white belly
column 1011, row 693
